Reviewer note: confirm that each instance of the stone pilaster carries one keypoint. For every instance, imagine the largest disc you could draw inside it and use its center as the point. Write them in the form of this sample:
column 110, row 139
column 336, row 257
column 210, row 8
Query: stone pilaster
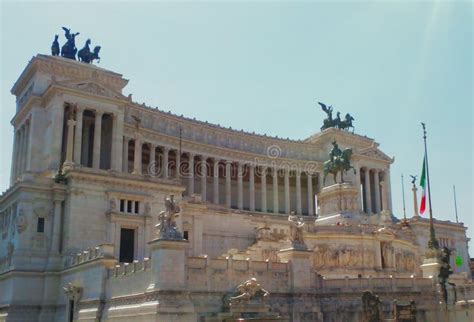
column 178, row 164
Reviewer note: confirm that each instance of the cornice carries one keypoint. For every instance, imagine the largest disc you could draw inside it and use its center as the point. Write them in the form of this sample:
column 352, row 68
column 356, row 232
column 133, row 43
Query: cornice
column 124, row 179
column 69, row 68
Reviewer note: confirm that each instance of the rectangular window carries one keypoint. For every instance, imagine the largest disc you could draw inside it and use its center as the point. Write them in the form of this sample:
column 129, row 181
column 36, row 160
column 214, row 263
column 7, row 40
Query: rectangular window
column 40, row 225
column 127, row 245
column 129, row 206
column 186, row 235
column 137, row 207
column 122, row 205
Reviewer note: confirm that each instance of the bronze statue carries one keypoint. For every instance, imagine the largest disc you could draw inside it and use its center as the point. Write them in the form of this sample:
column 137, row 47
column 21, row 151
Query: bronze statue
column 371, row 307
column 85, row 55
column 69, row 49
column 55, row 46
column 444, row 272
column 328, row 122
column 413, row 179
column 247, row 291
column 339, row 161
column 346, row 124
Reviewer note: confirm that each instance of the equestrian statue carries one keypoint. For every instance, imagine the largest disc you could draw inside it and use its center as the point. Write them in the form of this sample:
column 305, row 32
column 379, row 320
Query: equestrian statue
column 339, row 161
column 85, row 55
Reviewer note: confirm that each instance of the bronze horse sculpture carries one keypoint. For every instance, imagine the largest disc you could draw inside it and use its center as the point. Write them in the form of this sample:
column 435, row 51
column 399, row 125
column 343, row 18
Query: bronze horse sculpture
column 340, row 163
column 69, row 49
column 85, row 55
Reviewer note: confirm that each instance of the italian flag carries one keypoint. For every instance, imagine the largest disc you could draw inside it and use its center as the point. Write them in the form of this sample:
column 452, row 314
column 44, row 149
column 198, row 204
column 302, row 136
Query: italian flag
column 423, row 186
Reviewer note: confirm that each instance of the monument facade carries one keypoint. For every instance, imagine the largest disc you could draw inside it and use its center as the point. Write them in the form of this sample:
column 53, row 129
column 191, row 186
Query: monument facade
column 118, row 211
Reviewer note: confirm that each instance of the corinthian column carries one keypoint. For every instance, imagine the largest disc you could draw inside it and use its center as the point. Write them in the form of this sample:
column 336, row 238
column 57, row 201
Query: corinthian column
column 310, row 195
column 368, row 199
column 203, row 178
column 287, row 191
column 377, row 191
column 137, row 160
column 228, row 184
column 298, row 192
column 252, row 187
column 78, row 136
column 125, row 154
column 215, row 187
column 191, row 174
column 70, row 142
column 264, row 189
column 152, row 162
column 240, row 187
column 97, row 140
column 276, row 209
column 166, row 165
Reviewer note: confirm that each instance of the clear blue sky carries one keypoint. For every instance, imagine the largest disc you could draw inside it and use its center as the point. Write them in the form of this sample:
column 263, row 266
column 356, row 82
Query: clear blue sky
column 263, row 66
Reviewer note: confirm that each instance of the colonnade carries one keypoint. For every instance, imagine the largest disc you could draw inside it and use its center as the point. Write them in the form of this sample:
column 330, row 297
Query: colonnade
column 244, row 184
column 375, row 190
column 102, row 150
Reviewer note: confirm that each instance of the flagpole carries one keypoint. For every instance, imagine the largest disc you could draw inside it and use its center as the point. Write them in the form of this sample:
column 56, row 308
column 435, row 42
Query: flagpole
column 433, row 243
column 455, row 204
column 403, row 195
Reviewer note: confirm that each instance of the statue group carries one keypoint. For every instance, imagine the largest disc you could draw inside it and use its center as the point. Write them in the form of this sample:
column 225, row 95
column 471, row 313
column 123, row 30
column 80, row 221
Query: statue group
column 69, row 50
column 339, row 162
column 167, row 228
column 337, row 122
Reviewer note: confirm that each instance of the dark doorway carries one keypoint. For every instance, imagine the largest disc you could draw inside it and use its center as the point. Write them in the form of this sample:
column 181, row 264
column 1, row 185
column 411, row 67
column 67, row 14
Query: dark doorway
column 127, row 245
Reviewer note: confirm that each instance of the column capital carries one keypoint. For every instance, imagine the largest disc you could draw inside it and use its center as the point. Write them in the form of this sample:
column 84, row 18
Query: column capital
column 216, row 160
column 228, row 162
column 79, row 108
column 98, row 112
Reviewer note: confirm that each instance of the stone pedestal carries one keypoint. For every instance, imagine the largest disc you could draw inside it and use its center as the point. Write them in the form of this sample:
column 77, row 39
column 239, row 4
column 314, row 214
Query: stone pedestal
column 337, row 199
column 300, row 267
column 431, row 267
column 168, row 264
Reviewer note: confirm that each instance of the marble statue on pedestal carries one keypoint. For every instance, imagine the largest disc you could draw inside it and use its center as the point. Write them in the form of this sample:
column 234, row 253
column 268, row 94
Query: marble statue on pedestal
column 166, row 226
column 296, row 230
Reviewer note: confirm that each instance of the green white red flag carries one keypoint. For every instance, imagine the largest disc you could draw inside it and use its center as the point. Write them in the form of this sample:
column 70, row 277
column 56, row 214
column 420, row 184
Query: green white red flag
column 423, row 186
